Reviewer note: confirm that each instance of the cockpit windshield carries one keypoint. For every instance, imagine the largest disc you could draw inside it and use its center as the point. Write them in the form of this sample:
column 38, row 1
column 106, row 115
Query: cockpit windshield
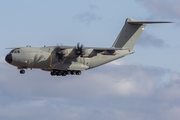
column 11, row 51
column 15, row 51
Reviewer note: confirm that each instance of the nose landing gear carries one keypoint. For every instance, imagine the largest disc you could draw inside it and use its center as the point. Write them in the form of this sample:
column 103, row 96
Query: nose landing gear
column 22, row 71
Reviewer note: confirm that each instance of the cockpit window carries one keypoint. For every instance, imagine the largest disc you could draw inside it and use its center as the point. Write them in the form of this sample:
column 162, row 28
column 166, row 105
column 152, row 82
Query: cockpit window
column 15, row 51
column 12, row 51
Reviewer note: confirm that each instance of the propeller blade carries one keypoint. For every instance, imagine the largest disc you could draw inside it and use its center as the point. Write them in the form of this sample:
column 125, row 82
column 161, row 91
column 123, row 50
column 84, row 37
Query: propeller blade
column 79, row 49
column 78, row 45
column 81, row 46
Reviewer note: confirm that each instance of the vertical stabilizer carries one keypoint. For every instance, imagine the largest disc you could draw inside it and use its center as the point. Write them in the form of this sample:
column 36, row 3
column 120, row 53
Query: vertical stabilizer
column 130, row 33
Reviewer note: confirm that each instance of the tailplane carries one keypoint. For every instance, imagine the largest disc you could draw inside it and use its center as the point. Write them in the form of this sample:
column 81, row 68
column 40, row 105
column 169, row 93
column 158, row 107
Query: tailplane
column 130, row 33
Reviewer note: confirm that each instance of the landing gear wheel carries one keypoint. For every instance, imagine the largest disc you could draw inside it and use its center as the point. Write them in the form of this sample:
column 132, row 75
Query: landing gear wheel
column 22, row 71
column 52, row 74
column 73, row 72
column 78, row 72
column 58, row 73
column 64, row 73
column 68, row 72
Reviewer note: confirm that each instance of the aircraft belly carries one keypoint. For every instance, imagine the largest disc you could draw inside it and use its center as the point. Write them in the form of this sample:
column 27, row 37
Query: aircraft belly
column 70, row 66
column 78, row 66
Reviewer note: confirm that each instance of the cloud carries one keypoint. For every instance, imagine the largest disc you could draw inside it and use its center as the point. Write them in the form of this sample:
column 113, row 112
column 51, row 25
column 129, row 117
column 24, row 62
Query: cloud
column 147, row 40
column 118, row 90
column 115, row 79
column 171, row 91
column 162, row 8
column 88, row 16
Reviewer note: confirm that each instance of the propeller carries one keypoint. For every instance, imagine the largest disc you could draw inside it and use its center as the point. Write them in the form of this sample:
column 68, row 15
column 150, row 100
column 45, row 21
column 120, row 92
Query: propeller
column 80, row 49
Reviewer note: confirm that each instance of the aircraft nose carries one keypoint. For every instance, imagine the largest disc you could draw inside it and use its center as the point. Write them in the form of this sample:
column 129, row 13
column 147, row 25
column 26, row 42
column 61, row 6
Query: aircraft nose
column 8, row 58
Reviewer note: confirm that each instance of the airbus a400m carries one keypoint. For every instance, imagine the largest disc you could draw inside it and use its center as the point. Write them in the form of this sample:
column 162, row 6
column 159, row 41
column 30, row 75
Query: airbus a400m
column 71, row 60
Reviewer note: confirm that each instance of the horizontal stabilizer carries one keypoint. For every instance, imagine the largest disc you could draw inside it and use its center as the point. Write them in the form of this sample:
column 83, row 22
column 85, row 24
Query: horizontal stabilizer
column 135, row 22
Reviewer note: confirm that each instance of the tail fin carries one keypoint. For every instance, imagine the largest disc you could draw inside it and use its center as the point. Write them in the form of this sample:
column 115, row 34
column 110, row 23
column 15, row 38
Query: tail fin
column 130, row 33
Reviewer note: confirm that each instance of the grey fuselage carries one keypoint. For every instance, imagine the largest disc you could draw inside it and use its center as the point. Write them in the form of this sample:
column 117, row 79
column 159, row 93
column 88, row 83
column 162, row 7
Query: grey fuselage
column 44, row 58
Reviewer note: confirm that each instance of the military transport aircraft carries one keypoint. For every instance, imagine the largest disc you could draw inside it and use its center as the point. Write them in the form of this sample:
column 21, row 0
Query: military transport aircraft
column 71, row 60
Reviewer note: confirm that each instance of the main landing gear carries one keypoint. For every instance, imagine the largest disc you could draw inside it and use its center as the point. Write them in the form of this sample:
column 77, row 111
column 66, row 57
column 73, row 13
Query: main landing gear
column 64, row 73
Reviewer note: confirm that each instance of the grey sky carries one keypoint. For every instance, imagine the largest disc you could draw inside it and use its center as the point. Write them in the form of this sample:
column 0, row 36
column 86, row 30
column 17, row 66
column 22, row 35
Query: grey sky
column 162, row 8
column 89, row 15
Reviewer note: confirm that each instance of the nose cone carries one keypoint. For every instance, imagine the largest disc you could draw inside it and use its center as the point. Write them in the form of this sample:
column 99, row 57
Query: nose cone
column 8, row 58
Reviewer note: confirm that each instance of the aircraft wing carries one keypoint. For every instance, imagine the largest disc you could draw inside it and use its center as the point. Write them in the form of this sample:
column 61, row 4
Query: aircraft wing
column 97, row 49
column 104, row 49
